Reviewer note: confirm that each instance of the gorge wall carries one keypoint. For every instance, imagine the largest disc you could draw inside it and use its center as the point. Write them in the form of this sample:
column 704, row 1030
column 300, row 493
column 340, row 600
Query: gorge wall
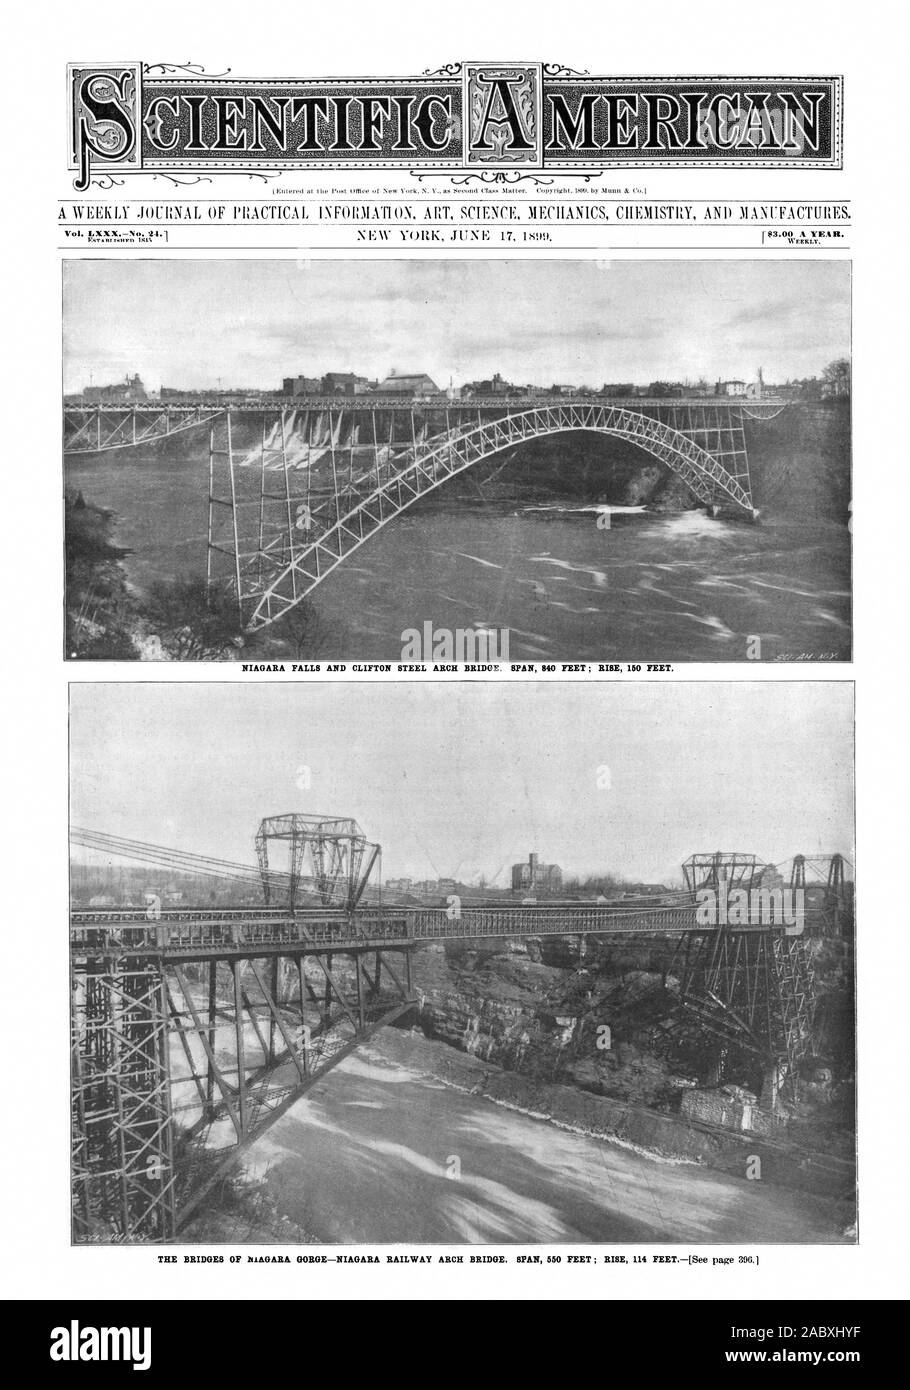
column 799, row 463
column 602, row 1017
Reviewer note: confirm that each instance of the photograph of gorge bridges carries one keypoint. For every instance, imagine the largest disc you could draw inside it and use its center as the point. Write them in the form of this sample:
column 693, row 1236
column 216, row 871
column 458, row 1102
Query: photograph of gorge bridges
column 563, row 460
column 567, row 964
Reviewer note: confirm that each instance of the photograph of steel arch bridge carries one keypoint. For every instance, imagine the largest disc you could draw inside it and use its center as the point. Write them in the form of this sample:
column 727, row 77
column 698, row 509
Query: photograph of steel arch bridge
column 567, row 460
column 575, row 965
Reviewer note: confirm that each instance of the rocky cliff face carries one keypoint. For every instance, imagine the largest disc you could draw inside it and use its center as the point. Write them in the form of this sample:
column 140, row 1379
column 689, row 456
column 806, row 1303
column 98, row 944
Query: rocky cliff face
column 560, row 1010
column 800, row 461
column 602, row 1017
column 591, row 467
column 800, row 466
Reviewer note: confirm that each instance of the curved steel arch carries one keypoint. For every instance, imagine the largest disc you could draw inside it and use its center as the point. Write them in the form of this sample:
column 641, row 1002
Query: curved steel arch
column 443, row 456
column 756, row 410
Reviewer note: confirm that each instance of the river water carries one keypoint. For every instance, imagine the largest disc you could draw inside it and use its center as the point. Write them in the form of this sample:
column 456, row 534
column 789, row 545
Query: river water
column 647, row 587
column 381, row 1151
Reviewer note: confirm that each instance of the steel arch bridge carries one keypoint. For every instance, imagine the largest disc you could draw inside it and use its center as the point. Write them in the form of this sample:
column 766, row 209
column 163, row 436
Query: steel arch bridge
column 200, row 1026
column 404, row 449
column 294, row 570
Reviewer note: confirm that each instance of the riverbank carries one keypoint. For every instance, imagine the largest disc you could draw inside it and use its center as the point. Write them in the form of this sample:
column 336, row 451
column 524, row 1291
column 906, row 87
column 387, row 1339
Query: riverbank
column 583, row 547
column 409, row 1142
column 667, row 1138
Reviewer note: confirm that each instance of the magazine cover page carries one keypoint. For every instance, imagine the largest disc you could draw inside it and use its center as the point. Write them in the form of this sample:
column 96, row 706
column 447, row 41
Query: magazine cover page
column 456, row 746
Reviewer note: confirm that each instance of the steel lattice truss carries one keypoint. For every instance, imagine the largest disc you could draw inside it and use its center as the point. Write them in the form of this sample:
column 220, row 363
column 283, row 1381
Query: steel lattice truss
column 253, row 1035
column 756, row 989
column 340, row 857
column 735, row 869
column 823, row 878
column 199, row 1027
column 123, row 1173
column 99, row 429
column 275, row 548
column 704, row 445
column 208, row 1047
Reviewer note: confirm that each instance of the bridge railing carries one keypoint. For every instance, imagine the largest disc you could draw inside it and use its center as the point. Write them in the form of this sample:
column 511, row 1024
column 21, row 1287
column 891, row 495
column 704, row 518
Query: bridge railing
column 109, row 933
column 556, row 920
column 256, row 405
column 96, row 934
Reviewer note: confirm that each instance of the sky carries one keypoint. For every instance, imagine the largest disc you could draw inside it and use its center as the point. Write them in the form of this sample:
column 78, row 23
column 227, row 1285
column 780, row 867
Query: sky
column 455, row 780
column 197, row 324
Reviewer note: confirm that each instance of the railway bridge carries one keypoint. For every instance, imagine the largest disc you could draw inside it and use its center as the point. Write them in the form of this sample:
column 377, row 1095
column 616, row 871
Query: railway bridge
column 294, row 489
column 195, row 1028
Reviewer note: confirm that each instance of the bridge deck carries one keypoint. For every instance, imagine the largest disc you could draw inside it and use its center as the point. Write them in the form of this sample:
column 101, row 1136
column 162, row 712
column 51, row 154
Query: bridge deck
column 203, row 933
column 249, row 405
